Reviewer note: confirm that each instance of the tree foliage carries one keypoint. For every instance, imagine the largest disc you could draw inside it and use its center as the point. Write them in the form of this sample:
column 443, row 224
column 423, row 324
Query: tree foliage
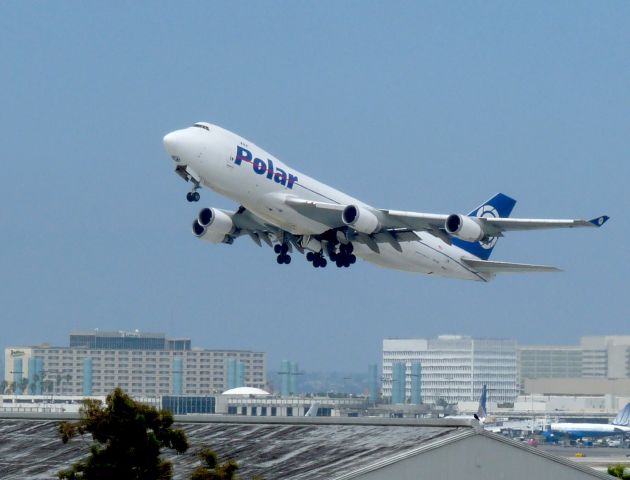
column 212, row 470
column 618, row 471
column 127, row 438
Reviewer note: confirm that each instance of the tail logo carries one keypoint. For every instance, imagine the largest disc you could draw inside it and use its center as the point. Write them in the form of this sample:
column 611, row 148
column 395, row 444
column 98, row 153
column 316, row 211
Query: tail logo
column 488, row 211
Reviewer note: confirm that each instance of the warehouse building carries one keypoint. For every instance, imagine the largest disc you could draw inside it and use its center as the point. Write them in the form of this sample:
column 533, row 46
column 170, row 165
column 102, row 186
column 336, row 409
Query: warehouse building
column 143, row 364
column 312, row 448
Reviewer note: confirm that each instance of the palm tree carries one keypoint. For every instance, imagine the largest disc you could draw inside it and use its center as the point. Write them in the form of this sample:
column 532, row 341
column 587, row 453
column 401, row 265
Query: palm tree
column 23, row 385
column 3, row 386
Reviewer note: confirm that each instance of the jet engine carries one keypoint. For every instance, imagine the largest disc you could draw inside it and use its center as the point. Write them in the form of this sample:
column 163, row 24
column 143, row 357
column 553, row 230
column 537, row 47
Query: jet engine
column 212, row 225
column 361, row 219
column 463, row 227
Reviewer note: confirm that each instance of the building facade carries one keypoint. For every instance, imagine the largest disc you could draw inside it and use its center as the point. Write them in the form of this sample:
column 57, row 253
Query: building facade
column 603, row 357
column 143, row 364
column 450, row 367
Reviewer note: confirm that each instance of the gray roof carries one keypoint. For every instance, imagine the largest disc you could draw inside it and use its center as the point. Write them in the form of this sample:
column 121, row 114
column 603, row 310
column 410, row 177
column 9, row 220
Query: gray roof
column 299, row 449
column 269, row 447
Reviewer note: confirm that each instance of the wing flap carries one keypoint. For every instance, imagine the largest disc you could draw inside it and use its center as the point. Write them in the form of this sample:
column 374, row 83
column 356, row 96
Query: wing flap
column 487, row 266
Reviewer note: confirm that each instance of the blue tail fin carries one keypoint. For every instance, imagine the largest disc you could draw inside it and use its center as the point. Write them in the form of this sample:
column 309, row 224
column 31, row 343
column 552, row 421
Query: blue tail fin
column 498, row 206
column 482, row 412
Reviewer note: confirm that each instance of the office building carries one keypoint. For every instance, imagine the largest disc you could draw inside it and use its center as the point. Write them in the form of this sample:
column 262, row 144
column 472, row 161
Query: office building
column 597, row 357
column 143, row 364
column 452, row 368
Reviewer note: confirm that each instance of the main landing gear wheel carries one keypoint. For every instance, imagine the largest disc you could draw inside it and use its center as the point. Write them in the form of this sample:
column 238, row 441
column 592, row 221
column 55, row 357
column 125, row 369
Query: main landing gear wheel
column 344, row 258
column 283, row 258
column 317, row 259
column 282, row 251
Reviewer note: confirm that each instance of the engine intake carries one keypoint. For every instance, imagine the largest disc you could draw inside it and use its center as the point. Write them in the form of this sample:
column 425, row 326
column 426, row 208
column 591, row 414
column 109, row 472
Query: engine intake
column 361, row 219
column 463, row 227
column 212, row 225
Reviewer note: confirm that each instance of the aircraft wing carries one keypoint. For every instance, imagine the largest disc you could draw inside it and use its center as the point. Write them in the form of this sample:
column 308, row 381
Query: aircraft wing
column 324, row 213
column 330, row 214
column 495, row 226
column 487, row 266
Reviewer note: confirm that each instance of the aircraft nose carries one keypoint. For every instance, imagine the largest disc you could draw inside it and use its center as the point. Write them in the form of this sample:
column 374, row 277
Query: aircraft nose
column 172, row 143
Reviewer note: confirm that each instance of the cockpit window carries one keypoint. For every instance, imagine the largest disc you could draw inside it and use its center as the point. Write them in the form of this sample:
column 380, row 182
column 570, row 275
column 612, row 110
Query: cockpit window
column 201, row 125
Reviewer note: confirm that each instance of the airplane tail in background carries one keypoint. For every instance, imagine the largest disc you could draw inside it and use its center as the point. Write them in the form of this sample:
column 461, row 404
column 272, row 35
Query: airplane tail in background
column 481, row 411
column 498, row 206
column 623, row 417
column 312, row 411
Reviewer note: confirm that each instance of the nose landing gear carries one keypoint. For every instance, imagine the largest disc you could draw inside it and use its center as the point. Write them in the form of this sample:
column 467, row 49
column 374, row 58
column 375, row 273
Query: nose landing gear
column 193, row 196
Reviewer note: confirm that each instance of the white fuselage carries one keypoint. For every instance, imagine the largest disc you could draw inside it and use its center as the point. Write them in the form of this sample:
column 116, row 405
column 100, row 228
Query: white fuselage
column 261, row 183
column 588, row 429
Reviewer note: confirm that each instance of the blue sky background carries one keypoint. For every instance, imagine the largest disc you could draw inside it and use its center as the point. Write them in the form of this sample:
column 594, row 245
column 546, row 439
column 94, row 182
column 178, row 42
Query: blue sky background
column 425, row 106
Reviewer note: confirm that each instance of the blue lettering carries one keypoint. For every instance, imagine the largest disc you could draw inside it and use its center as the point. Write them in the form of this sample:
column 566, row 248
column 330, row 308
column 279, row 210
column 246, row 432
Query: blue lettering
column 269, row 169
column 280, row 176
column 292, row 180
column 242, row 154
column 260, row 166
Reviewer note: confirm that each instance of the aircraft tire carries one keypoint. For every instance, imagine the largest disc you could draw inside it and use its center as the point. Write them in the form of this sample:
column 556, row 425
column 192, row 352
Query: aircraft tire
column 353, row 259
column 196, row 196
column 310, row 256
column 287, row 259
column 277, row 248
column 189, row 196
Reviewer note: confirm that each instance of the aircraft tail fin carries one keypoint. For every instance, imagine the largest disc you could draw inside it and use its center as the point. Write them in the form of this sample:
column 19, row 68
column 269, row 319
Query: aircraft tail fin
column 623, row 417
column 498, row 206
column 481, row 411
column 312, row 411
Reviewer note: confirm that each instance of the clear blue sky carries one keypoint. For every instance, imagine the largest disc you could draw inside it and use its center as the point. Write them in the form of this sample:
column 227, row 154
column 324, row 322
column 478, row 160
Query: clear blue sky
column 425, row 106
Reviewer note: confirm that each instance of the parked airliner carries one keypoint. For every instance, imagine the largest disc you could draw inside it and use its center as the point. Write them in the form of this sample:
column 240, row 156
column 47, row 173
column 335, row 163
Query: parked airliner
column 619, row 426
column 290, row 211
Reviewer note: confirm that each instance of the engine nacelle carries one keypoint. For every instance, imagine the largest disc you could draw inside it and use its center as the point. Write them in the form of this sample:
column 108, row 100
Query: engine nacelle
column 361, row 219
column 463, row 227
column 212, row 225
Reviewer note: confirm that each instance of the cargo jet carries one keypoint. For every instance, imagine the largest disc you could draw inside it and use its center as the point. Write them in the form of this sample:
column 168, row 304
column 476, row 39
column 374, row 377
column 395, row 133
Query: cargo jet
column 290, row 211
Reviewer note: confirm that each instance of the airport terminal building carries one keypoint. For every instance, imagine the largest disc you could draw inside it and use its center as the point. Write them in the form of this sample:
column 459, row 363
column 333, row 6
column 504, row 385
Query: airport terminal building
column 143, row 364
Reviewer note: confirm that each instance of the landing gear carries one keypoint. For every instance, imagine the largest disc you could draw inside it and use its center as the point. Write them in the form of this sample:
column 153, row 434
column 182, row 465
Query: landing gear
column 282, row 251
column 193, row 196
column 344, row 258
column 317, row 259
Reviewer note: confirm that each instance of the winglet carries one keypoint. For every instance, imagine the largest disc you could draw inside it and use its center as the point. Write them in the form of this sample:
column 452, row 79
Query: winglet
column 599, row 221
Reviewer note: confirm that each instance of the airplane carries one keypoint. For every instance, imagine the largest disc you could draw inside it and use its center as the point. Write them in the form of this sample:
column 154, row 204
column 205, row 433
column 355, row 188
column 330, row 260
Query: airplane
column 290, row 211
column 619, row 426
column 481, row 414
column 312, row 411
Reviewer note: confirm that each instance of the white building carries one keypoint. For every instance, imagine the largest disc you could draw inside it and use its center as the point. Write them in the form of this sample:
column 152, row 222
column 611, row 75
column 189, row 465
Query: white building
column 597, row 357
column 453, row 367
column 143, row 364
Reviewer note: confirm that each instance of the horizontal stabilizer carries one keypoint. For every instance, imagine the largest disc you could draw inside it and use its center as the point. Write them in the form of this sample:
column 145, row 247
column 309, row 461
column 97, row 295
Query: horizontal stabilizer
column 486, row 266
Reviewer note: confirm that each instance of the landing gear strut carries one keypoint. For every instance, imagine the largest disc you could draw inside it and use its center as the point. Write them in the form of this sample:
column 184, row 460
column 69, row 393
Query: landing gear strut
column 344, row 258
column 317, row 259
column 283, row 256
column 193, row 195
